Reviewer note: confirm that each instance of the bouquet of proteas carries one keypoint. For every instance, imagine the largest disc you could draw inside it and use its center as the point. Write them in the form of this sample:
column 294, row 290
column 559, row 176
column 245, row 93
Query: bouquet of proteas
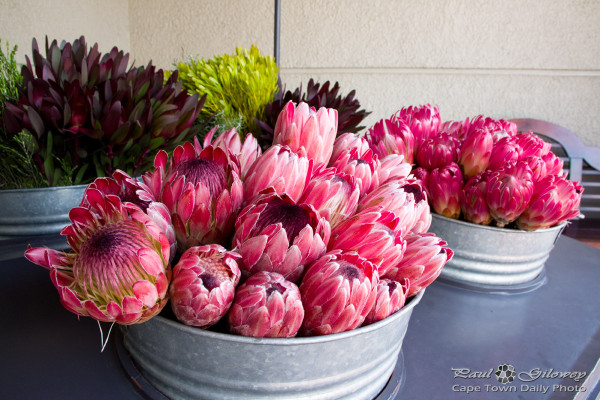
column 317, row 235
column 481, row 170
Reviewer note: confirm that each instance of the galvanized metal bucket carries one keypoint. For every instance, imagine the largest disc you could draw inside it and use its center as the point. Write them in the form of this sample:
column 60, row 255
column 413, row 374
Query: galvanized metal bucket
column 42, row 211
column 191, row 363
column 494, row 259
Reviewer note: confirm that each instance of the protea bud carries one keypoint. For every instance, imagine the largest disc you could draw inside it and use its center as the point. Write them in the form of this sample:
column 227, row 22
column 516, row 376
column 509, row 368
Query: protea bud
column 334, row 194
column 509, row 191
column 266, row 305
column 393, row 166
column 281, row 168
column 438, row 151
column 303, row 126
column 346, row 142
column 338, row 291
column 505, row 150
column 472, row 200
column 276, row 234
column 424, row 121
column 203, row 284
column 499, row 128
column 531, row 145
column 391, row 136
column 457, row 129
column 422, row 263
column 391, row 297
column 362, row 166
column 118, row 268
column 202, row 190
column 444, row 186
column 554, row 165
column 138, row 193
column 247, row 151
column 373, row 233
column 538, row 167
column 476, row 150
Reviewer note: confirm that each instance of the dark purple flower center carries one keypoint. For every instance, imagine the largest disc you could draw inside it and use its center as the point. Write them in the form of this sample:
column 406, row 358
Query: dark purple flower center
column 292, row 217
column 360, row 161
column 275, row 287
column 129, row 194
column 203, row 171
column 415, row 191
column 350, row 271
column 209, row 281
column 392, row 286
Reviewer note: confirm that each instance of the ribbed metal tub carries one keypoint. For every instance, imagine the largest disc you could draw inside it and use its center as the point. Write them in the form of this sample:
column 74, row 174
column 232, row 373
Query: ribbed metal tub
column 489, row 257
column 190, row 363
column 28, row 212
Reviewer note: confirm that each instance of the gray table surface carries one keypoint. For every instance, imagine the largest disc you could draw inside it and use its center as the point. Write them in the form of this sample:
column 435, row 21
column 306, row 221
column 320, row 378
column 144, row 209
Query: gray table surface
column 49, row 353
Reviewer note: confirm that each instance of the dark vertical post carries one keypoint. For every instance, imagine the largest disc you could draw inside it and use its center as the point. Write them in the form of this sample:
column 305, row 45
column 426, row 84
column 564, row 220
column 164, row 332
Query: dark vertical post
column 276, row 33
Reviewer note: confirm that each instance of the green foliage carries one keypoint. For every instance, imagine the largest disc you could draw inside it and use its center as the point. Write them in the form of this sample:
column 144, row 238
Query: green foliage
column 236, row 86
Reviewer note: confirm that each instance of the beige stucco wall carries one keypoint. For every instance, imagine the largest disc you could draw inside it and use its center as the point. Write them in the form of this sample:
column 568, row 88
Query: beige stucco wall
column 105, row 22
column 502, row 58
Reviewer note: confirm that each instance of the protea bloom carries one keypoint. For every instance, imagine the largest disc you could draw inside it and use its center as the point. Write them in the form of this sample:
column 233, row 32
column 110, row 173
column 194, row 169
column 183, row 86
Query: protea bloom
column 538, row 167
column 276, row 234
column 472, row 200
column 404, row 197
column 554, row 165
column 422, row 263
column 118, row 268
column 246, row 151
column 555, row 199
column 457, row 129
column 303, row 126
column 393, row 166
column 444, row 186
column 505, row 150
column 202, row 190
column 266, row 305
column 203, row 284
column 476, row 150
column 138, row 193
column 438, row 151
column 281, row 168
column 346, row 142
column 391, row 136
column 334, row 194
column 338, row 291
column 498, row 127
column 362, row 166
column 424, row 121
column 391, row 297
column 509, row 191
column 531, row 145
column 374, row 233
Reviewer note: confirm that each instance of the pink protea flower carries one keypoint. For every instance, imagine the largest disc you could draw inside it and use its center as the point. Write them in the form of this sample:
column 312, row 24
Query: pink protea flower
column 438, row 151
column 444, row 186
column 303, row 126
column 118, row 268
column 498, row 127
column 392, row 166
column 472, row 200
column 373, row 233
column 138, row 193
column 203, row 284
column 346, row 142
column 424, row 121
column 338, row 291
column 476, row 150
column 391, row 136
column 404, row 197
column 280, row 168
column 266, row 305
column 505, row 150
column 362, row 166
column 334, row 194
column 531, row 145
column 554, row 165
column 554, row 200
column 457, row 129
column 276, row 234
column 202, row 190
column 422, row 263
column 538, row 167
column 246, row 151
column 391, row 297
column 509, row 191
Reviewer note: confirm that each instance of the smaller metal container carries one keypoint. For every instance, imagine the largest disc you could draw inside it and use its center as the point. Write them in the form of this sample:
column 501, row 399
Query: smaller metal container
column 184, row 362
column 42, row 211
column 494, row 259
